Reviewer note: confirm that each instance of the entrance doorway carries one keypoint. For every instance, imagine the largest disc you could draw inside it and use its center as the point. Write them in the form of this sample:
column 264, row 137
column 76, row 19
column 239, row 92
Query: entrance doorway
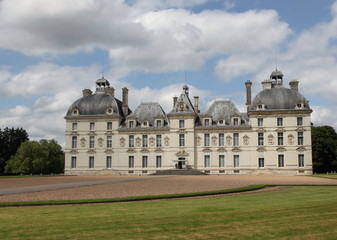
column 181, row 163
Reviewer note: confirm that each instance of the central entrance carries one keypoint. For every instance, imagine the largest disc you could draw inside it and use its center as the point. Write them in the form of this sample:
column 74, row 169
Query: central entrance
column 181, row 163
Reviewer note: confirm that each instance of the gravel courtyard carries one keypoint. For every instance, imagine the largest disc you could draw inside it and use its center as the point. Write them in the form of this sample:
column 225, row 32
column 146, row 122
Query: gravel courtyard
column 92, row 187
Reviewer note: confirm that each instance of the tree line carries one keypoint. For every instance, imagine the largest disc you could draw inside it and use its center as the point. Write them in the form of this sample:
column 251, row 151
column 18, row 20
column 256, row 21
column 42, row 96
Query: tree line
column 18, row 155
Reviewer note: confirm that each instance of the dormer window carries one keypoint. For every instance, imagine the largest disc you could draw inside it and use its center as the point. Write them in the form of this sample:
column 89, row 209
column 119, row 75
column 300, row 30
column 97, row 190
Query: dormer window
column 75, row 112
column 109, row 111
column 221, row 122
column 235, row 121
column 145, row 124
column 299, row 105
column 131, row 124
column 260, row 106
column 158, row 123
column 206, row 121
column 92, row 126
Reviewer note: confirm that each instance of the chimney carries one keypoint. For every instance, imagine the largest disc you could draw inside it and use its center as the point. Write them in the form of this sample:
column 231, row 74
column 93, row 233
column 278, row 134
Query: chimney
column 175, row 99
column 125, row 106
column 196, row 104
column 86, row 92
column 110, row 90
column 248, row 92
column 294, row 85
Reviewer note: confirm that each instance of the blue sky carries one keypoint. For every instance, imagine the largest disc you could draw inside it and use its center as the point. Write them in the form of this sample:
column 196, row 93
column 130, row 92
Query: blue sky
column 51, row 50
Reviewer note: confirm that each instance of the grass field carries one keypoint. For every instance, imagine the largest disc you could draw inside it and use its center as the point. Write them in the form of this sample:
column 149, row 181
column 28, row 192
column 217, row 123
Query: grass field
column 293, row 213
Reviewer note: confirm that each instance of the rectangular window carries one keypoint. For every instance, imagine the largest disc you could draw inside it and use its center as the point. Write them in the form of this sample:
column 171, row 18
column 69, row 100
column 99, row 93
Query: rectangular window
column 74, row 142
column 144, row 162
column 92, row 126
column 236, row 139
column 131, row 141
column 279, row 122
column 131, row 124
column 299, row 121
column 300, row 138
column 158, row 141
column 236, row 121
column 181, row 123
column 91, row 162
column 280, row 138
column 73, row 162
column 260, row 122
column 109, row 141
column 206, row 139
column 158, row 161
column 236, row 161
column 207, row 161
column 131, row 161
column 221, row 161
column 108, row 162
column 181, row 140
column 260, row 139
column 301, row 160
column 158, row 123
column 206, row 122
column 221, row 139
column 109, row 125
column 92, row 141
column 144, row 140
column 74, row 127
column 281, row 160
column 261, row 162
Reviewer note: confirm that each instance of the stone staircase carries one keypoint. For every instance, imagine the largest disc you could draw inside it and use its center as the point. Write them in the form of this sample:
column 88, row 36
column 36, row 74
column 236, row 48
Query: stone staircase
column 179, row 172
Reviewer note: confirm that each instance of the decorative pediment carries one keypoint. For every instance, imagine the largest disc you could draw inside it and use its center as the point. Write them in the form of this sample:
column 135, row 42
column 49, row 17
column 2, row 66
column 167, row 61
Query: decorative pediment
column 74, row 133
column 182, row 153
column 109, row 151
column 221, row 149
column 300, row 129
column 158, row 150
column 91, row 151
column 109, row 133
column 92, row 133
column 301, row 149
column 261, row 149
column 260, row 130
column 73, row 152
column 280, row 149
column 207, row 150
column 236, row 149
column 144, row 150
column 131, row 150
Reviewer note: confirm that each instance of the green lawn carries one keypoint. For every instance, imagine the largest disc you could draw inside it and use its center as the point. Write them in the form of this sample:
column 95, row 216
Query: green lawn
column 332, row 176
column 293, row 213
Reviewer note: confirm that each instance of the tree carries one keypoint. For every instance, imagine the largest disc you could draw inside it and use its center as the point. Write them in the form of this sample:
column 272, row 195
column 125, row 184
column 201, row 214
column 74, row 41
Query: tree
column 34, row 157
column 10, row 141
column 324, row 149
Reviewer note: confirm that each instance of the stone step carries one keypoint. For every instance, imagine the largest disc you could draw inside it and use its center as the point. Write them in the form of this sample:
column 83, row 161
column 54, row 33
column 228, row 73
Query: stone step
column 179, row 172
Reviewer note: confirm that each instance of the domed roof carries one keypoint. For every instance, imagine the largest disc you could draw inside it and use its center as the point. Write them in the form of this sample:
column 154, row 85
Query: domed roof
column 279, row 98
column 99, row 103
column 276, row 74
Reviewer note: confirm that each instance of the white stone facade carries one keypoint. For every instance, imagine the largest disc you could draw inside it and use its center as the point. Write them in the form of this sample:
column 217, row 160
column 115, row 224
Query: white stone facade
column 110, row 139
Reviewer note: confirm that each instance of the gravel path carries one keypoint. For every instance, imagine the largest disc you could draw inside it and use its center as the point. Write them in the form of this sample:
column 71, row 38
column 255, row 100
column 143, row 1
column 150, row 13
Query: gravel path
column 81, row 187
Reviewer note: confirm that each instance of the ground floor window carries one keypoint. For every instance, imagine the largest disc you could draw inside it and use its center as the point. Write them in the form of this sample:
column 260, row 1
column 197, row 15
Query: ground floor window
column 108, row 162
column 301, row 160
column 73, row 162
column 91, row 162
column 131, row 161
column 261, row 162
column 236, row 161
column 221, row 160
column 144, row 162
column 281, row 160
column 207, row 161
column 158, row 162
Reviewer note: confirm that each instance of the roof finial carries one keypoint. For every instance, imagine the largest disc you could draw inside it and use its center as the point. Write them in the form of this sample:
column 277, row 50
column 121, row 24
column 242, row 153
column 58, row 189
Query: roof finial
column 276, row 58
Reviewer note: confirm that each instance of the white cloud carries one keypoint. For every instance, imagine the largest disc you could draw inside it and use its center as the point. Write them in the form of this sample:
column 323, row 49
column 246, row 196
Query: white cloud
column 162, row 4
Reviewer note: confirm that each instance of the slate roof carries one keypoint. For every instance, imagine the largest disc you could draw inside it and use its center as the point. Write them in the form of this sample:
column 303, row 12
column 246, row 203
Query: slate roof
column 149, row 111
column 223, row 109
